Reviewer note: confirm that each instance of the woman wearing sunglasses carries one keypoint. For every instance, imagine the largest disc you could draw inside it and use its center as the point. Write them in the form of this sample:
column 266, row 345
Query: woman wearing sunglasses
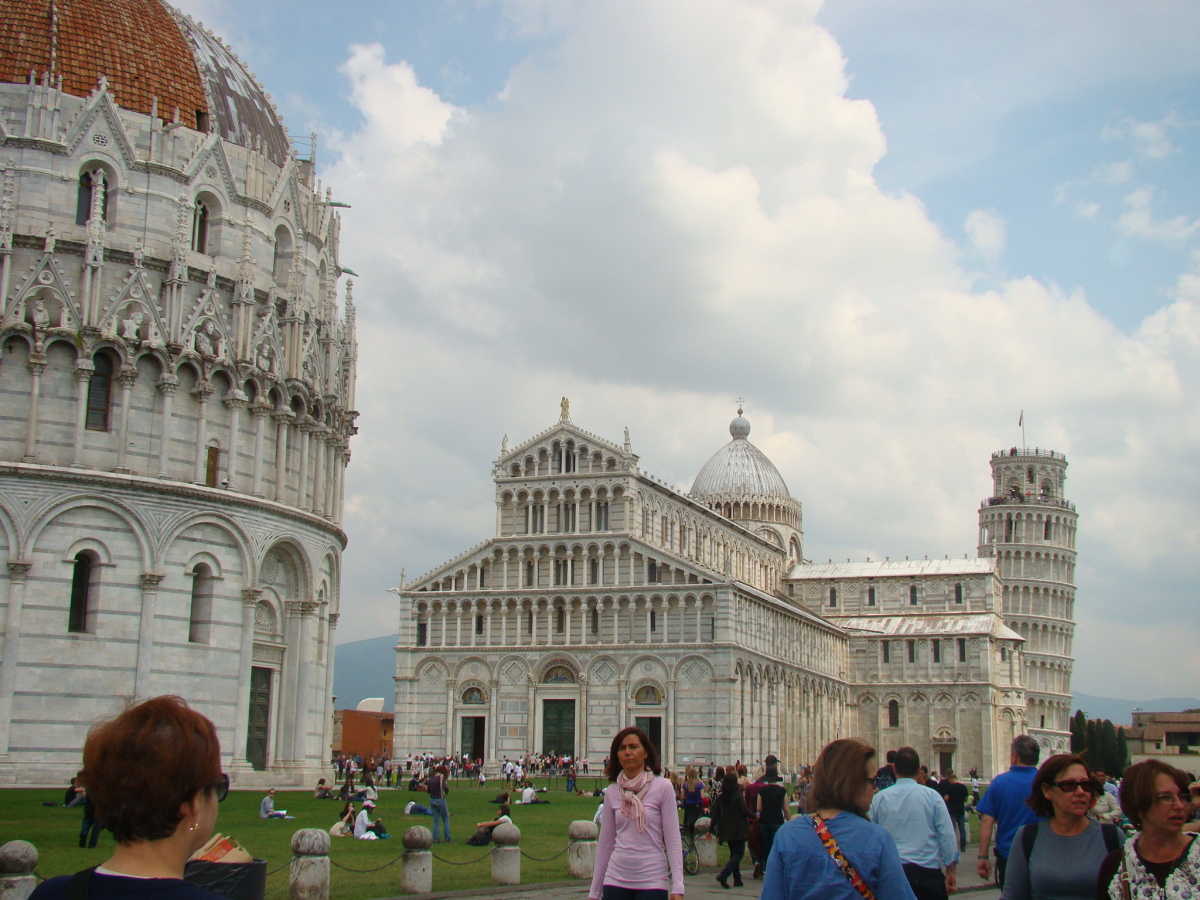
column 154, row 773
column 1163, row 860
column 1059, row 857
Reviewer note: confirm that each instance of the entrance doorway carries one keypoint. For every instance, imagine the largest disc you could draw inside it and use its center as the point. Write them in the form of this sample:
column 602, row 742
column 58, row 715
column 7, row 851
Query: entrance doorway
column 258, row 727
column 652, row 725
column 473, row 737
column 558, row 727
column 945, row 761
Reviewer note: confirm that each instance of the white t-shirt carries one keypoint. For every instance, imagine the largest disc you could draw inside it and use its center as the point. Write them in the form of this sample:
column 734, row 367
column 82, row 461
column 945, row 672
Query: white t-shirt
column 362, row 823
column 529, row 795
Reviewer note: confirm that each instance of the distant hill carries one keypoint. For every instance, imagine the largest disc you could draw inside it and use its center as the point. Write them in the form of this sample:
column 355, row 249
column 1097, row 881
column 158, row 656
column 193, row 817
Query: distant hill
column 1120, row 712
column 364, row 669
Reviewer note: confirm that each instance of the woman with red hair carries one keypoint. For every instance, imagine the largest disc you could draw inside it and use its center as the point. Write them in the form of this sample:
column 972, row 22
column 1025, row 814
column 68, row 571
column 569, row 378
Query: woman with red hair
column 154, row 773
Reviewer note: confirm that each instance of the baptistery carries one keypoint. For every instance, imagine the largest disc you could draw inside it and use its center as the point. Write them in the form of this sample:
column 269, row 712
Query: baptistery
column 177, row 370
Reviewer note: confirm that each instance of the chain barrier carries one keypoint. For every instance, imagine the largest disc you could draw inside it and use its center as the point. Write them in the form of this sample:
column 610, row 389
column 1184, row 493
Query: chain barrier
column 365, row 871
column 468, row 862
column 281, row 868
column 548, row 858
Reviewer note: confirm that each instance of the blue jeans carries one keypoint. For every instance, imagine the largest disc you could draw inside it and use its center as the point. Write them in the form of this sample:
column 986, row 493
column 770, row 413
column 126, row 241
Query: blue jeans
column 441, row 813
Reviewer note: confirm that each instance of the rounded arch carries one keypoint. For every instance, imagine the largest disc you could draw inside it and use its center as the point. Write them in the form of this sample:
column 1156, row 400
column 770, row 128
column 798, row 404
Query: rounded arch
column 121, row 510
column 285, row 550
column 173, row 529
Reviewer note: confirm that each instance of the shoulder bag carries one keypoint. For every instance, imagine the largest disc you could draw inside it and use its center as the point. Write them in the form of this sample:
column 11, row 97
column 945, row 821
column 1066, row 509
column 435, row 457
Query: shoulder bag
column 839, row 858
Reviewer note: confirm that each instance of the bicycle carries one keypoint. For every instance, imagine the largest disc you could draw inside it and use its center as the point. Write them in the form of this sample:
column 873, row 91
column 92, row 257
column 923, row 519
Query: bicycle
column 691, row 858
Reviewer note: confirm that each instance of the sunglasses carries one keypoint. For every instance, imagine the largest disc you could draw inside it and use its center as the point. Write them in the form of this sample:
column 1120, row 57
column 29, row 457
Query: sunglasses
column 1070, row 786
column 221, row 786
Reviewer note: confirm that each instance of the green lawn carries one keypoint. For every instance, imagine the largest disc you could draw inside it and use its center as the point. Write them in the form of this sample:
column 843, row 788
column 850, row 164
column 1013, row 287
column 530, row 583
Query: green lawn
column 55, row 833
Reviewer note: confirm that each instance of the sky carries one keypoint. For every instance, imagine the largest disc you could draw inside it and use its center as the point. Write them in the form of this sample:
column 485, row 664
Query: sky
column 891, row 227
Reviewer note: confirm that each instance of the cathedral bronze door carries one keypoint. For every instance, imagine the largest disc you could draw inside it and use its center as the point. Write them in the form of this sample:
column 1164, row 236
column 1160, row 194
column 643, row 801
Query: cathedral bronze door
column 472, row 737
column 258, row 728
column 652, row 725
column 558, row 727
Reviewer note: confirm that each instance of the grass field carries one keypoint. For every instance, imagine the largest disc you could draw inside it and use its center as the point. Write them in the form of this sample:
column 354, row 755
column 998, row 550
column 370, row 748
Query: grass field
column 55, row 833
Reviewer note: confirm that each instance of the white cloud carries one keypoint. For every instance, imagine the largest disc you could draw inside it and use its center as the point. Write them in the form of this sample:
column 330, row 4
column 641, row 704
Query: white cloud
column 674, row 205
column 1138, row 220
column 987, row 231
column 1113, row 173
column 1150, row 140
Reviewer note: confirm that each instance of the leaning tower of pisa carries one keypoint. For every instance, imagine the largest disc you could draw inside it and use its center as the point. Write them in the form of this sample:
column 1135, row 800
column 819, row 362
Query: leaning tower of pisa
column 1029, row 527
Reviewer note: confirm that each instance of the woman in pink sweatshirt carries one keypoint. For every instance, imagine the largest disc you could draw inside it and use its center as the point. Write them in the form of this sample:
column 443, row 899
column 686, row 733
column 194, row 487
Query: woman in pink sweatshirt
column 639, row 821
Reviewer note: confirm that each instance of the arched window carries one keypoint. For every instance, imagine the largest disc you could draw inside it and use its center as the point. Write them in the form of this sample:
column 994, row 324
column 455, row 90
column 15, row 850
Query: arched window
column 560, row 620
column 653, row 620
column 282, row 258
column 529, row 573
column 1008, row 528
column 593, row 571
column 887, row 651
column 212, row 465
column 83, row 202
column 647, row 695
column 1046, row 532
column 200, row 220
column 200, row 619
column 893, row 714
column 871, row 596
column 1029, row 475
column 479, row 624
column 833, row 596
column 81, row 618
column 912, row 595
column 958, row 593
column 559, row 675
column 595, row 621
column 99, row 392
column 473, row 696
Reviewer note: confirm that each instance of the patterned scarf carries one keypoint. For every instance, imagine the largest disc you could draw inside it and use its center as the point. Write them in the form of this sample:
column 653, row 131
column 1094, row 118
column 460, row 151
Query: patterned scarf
column 1134, row 882
column 631, row 796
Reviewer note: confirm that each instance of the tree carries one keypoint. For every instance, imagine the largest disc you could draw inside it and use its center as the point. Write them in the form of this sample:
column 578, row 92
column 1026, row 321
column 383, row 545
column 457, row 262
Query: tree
column 1122, row 753
column 1092, row 744
column 1078, row 732
column 1108, row 748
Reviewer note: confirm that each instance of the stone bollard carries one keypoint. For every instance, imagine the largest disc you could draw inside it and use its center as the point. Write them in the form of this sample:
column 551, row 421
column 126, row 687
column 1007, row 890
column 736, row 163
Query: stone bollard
column 506, row 858
column 706, row 843
column 416, row 870
column 581, row 853
column 308, row 878
column 18, row 859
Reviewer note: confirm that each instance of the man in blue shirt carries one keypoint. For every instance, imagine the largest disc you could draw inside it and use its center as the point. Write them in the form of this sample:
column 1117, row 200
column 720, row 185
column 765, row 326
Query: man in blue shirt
column 1003, row 806
column 916, row 818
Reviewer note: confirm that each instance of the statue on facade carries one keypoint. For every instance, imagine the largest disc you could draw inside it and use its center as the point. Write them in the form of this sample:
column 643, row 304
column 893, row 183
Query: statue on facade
column 41, row 315
column 139, row 255
column 564, row 410
column 51, row 238
column 205, row 339
column 504, row 445
column 131, row 326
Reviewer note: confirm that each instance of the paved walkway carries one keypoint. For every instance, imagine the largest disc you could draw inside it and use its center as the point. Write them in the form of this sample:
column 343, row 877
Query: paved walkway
column 702, row 886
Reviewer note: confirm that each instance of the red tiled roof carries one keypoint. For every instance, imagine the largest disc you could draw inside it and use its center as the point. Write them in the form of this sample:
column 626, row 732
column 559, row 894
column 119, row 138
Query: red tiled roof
column 136, row 44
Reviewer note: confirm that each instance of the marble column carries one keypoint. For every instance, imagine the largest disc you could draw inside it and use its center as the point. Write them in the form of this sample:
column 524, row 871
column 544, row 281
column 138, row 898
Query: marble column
column 166, row 387
column 305, row 428
column 235, row 401
column 17, row 573
column 127, row 377
column 302, row 656
column 146, row 634
column 203, row 392
column 259, row 411
column 37, row 363
column 83, row 373
column 494, row 698
column 282, row 417
column 669, row 726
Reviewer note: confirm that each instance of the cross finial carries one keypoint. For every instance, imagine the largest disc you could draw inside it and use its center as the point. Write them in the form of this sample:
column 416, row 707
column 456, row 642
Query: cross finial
column 740, row 402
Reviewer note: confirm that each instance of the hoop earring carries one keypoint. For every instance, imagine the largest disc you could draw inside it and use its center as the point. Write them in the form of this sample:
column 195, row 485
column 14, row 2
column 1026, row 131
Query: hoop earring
column 193, row 826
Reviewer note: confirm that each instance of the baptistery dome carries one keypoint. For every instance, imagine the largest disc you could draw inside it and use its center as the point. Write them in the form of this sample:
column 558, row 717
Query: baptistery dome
column 740, row 482
column 156, row 62
column 177, row 367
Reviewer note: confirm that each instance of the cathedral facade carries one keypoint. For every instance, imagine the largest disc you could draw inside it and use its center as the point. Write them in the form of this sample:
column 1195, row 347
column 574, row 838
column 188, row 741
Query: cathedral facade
column 606, row 598
column 177, row 372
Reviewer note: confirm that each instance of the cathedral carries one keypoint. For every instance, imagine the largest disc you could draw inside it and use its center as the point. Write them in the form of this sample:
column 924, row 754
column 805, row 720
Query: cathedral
column 607, row 598
column 177, row 371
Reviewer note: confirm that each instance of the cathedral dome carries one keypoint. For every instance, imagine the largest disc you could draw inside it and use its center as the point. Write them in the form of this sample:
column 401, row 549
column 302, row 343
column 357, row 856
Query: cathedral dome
column 153, row 57
column 739, row 470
